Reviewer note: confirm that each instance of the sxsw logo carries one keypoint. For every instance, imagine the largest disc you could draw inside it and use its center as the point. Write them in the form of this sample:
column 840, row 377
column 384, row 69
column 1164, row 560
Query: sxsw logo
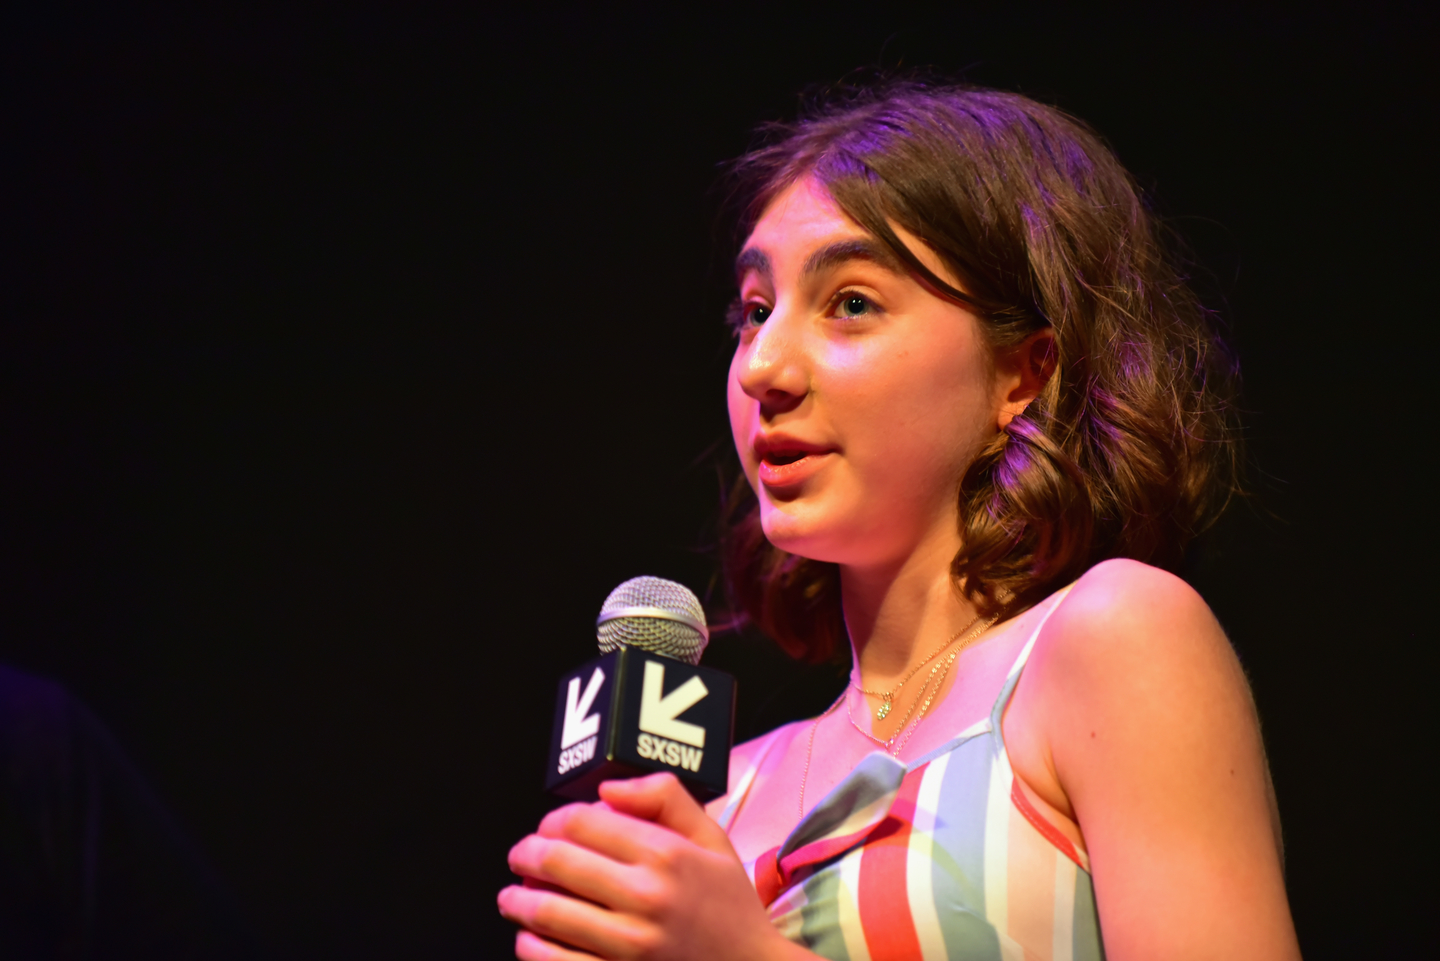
column 581, row 728
column 658, row 718
column 663, row 736
column 617, row 716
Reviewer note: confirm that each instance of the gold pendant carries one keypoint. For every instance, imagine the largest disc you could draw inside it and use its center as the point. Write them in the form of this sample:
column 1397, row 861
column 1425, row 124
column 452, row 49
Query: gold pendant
column 883, row 709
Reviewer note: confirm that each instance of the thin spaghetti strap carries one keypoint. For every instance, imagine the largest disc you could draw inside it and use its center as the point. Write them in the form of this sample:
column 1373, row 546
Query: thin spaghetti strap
column 1013, row 678
column 742, row 787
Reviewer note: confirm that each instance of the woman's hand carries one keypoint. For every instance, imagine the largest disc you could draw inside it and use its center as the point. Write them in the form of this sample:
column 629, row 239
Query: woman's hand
column 642, row 873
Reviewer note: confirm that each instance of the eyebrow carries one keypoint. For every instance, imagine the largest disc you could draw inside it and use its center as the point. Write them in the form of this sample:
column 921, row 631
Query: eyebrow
column 831, row 255
column 752, row 258
column 844, row 251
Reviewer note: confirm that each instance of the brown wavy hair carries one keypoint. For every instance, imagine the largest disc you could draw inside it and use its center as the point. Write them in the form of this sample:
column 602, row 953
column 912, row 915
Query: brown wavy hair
column 1132, row 447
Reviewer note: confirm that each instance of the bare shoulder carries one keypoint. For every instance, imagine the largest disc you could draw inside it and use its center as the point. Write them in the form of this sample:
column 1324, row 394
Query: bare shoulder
column 1130, row 662
column 1125, row 621
column 1137, row 723
column 1133, row 655
column 1121, row 597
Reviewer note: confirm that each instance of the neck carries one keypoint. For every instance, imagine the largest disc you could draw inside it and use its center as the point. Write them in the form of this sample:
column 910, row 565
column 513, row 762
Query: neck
column 898, row 613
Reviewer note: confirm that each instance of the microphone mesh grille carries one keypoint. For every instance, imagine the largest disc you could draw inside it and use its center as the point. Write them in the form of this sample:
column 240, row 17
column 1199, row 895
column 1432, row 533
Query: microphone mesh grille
column 653, row 634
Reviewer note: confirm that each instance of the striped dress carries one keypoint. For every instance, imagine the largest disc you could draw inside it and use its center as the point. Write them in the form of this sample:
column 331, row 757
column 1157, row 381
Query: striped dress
column 942, row 859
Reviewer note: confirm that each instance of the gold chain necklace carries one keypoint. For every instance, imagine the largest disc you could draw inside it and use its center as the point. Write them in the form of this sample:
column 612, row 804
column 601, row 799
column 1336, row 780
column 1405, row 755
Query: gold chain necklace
column 849, row 712
column 845, row 696
column 933, row 683
column 811, row 749
column 887, row 698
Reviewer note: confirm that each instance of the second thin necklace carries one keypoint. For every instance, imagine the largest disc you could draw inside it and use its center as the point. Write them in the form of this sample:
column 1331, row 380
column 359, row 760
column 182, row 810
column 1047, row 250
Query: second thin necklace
column 927, row 694
column 899, row 736
column 887, row 698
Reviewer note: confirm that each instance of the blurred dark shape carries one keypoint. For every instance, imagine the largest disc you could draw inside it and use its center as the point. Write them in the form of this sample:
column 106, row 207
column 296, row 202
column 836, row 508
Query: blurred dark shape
column 91, row 864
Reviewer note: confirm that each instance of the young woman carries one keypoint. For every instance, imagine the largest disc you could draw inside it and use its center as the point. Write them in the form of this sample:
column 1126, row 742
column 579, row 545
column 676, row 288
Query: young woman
column 975, row 404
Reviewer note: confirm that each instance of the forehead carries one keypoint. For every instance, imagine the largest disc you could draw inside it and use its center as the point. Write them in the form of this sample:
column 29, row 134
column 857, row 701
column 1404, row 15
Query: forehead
column 797, row 229
column 801, row 213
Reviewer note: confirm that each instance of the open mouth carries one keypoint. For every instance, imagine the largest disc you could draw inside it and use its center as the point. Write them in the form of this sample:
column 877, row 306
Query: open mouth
column 788, row 466
column 787, row 462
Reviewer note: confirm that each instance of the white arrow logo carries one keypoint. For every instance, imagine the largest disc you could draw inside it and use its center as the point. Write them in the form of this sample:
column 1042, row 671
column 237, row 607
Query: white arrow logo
column 657, row 714
column 577, row 725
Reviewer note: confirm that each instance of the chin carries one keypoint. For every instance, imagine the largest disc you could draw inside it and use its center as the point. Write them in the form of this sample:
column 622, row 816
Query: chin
column 797, row 533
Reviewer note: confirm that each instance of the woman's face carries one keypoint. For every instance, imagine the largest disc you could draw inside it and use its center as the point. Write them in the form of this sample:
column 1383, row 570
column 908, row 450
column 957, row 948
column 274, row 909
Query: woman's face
column 857, row 397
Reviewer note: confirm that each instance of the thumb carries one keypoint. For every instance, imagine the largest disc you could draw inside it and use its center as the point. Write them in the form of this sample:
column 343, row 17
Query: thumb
column 661, row 798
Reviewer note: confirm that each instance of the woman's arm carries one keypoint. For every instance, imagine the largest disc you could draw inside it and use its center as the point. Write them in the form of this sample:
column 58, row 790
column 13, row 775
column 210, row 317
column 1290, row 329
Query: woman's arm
column 1146, row 724
column 642, row 873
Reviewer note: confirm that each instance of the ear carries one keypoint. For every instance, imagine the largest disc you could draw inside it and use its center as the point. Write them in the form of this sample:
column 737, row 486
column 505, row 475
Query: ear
column 1022, row 372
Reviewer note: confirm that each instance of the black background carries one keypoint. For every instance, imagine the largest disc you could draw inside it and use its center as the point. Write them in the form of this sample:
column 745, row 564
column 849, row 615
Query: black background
column 351, row 355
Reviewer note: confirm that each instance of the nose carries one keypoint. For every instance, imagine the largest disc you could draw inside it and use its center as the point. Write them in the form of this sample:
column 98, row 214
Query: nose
column 771, row 368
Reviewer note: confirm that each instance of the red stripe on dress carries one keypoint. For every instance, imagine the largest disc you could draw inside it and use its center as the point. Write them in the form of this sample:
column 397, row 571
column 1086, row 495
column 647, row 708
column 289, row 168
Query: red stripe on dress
column 795, row 867
column 1037, row 821
column 768, row 881
column 883, row 900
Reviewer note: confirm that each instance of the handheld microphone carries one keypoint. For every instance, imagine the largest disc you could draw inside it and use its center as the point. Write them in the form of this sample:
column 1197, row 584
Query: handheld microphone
column 645, row 704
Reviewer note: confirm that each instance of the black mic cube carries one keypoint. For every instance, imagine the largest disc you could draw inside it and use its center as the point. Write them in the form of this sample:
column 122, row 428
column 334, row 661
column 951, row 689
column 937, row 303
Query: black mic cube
column 630, row 713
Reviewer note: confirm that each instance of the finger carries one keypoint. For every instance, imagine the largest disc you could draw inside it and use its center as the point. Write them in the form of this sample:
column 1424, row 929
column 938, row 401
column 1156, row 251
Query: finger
column 550, row 863
column 616, row 835
column 660, row 798
column 529, row 946
column 580, row 924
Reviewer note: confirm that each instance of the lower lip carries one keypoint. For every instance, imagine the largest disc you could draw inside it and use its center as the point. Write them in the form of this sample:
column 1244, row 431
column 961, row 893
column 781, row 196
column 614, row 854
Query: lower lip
column 795, row 472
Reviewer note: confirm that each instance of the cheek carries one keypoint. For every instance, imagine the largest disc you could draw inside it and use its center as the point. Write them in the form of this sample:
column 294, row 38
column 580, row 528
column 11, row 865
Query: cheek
column 741, row 408
column 918, row 414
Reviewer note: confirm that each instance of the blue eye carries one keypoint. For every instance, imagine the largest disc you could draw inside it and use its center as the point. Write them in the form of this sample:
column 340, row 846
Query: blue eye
column 855, row 306
column 744, row 316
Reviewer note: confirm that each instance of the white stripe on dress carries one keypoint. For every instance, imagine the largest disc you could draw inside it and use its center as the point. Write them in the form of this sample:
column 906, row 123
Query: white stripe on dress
column 920, row 864
column 787, row 913
column 1064, row 924
column 997, row 843
column 848, row 906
